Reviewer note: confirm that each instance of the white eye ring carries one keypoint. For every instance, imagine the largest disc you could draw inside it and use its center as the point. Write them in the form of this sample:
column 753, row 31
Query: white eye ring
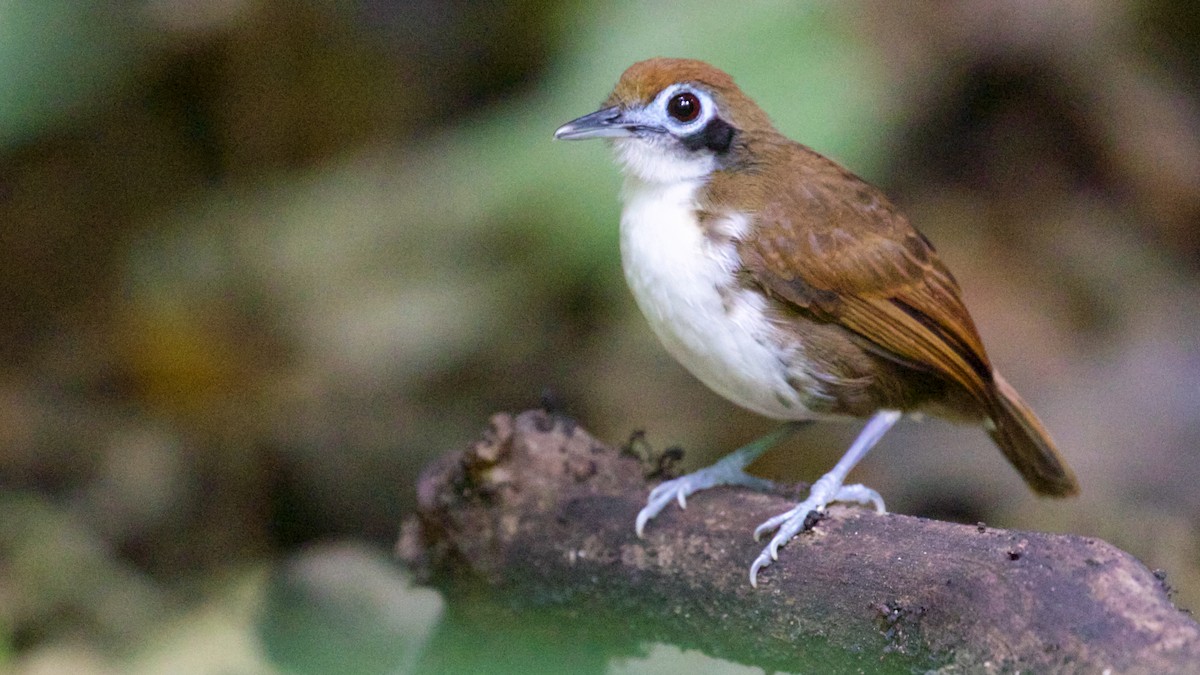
column 703, row 104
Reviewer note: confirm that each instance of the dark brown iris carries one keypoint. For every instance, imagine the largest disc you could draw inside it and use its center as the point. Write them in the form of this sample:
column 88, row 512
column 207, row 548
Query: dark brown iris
column 684, row 107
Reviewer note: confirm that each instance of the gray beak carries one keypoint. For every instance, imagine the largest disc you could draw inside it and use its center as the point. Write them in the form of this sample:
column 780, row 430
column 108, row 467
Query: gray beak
column 606, row 123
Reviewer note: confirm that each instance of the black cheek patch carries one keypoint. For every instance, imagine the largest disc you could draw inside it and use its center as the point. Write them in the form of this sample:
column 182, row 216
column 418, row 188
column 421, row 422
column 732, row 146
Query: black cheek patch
column 717, row 136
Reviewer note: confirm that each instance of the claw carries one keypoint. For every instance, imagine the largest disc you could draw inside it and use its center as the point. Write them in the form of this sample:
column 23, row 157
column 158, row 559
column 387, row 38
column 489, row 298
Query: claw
column 860, row 494
column 774, row 522
column 828, row 488
column 728, row 471
column 659, row 498
column 763, row 529
column 678, row 489
column 759, row 563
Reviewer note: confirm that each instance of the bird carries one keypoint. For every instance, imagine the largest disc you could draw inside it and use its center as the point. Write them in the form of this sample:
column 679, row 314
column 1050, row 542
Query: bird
column 793, row 288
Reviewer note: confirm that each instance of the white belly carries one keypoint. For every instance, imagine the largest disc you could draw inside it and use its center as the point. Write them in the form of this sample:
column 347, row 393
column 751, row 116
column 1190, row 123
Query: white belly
column 683, row 283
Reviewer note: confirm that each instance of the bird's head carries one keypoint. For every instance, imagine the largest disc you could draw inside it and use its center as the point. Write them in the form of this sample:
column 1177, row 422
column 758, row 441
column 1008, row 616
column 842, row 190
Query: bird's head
column 671, row 120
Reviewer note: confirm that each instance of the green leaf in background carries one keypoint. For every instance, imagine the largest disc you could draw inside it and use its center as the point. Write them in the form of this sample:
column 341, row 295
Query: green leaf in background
column 345, row 608
column 491, row 215
column 58, row 55
column 805, row 63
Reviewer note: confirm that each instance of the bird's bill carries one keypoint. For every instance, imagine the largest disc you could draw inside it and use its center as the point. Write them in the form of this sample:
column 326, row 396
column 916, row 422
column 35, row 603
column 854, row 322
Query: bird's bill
column 606, row 123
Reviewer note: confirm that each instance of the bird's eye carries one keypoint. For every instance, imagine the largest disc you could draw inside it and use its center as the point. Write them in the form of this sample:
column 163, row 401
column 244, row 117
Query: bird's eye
column 684, row 107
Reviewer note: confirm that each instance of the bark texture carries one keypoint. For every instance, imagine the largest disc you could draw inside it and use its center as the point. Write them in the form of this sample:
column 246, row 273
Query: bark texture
column 542, row 513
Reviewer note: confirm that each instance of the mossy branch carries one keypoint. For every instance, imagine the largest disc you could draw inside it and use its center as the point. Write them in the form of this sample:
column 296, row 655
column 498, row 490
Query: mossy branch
column 543, row 513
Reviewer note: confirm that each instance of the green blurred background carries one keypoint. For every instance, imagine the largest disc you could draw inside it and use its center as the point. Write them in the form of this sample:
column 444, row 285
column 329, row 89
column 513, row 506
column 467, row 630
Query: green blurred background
column 260, row 260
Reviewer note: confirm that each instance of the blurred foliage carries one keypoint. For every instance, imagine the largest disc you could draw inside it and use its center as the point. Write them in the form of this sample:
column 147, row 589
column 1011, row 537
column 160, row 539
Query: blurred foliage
column 346, row 609
column 263, row 259
column 60, row 57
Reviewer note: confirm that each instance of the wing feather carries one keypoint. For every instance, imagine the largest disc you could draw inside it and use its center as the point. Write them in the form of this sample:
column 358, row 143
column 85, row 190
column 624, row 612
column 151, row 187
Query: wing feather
column 832, row 245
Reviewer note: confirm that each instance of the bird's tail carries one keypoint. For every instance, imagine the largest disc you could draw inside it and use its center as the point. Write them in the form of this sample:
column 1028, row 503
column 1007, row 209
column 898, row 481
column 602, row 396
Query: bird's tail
column 1026, row 444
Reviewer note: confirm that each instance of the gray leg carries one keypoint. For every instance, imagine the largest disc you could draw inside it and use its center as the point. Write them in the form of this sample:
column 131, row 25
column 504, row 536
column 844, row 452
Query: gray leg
column 828, row 488
column 728, row 471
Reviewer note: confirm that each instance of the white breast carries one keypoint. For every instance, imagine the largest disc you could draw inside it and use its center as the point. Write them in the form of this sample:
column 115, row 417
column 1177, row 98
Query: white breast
column 683, row 283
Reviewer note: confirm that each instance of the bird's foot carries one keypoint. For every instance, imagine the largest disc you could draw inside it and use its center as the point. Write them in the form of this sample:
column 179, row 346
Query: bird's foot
column 678, row 489
column 790, row 523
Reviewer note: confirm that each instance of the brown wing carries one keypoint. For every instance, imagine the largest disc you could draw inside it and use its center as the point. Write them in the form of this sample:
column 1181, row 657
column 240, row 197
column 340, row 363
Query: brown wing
column 856, row 261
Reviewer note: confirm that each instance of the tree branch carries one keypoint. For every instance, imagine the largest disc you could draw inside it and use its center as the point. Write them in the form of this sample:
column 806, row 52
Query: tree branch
column 544, row 513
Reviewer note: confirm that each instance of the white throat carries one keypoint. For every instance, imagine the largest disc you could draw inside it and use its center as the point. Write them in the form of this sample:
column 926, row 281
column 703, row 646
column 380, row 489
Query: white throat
column 659, row 159
column 684, row 281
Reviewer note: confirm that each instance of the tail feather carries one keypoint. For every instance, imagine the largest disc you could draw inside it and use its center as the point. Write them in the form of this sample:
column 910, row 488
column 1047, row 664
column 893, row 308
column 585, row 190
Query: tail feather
column 1027, row 445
